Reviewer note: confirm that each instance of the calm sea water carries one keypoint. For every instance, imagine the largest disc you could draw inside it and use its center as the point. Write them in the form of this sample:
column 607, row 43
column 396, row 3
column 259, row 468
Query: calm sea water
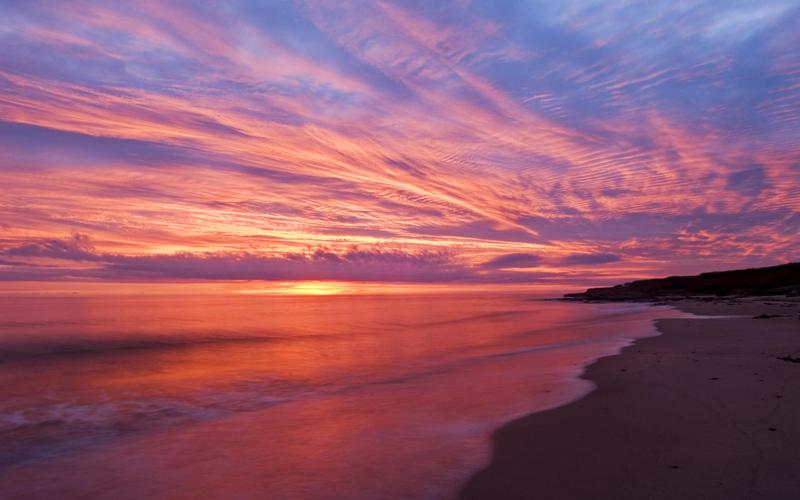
column 281, row 397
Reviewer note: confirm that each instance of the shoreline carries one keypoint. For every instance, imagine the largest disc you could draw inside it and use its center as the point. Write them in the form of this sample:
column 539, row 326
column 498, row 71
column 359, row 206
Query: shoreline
column 704, row 410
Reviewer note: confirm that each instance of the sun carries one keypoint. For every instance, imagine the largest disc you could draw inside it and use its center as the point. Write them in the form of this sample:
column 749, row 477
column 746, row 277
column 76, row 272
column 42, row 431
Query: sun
column 302, row 288
column 316, row 288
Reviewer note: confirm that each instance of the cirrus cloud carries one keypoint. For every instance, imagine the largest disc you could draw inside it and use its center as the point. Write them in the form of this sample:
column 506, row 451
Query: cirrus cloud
column 214, row 141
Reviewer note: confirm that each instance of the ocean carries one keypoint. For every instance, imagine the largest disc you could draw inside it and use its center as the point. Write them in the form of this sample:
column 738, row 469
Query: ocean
column 306, row 397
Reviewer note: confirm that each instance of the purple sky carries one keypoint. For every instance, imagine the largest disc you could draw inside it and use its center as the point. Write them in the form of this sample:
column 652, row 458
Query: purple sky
column 423, row 142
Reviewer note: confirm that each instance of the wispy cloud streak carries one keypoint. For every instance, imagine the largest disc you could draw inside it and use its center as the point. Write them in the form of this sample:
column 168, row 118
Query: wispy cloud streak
column 211, row 141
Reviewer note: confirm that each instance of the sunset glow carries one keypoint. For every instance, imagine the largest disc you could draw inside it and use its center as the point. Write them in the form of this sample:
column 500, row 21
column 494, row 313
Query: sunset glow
column 382, row 249
column 302, row 288
column 538, row 143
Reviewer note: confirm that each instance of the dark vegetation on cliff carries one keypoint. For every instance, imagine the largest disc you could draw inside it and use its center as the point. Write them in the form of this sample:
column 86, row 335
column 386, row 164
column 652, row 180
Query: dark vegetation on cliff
column 775, row 280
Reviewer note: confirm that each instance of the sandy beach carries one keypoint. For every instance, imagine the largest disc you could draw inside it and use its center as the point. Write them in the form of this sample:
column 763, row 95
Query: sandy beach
column 706, row 410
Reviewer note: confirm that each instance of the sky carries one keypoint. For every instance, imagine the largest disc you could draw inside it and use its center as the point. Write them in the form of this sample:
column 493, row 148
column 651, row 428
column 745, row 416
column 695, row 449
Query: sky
column 507, row 142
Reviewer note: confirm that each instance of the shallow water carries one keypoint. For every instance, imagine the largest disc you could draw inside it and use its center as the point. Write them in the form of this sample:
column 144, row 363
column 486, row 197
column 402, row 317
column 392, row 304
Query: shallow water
column 281, row 397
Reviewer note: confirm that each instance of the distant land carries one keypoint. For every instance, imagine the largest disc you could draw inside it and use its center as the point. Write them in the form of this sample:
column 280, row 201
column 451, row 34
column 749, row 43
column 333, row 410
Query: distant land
column 775, row 280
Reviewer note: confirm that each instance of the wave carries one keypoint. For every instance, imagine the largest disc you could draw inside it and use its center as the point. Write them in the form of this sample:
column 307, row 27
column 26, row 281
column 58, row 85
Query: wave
column 107, row 343
column 246, row 396
column 71, row 426
column 82, row 346
column 469, row 319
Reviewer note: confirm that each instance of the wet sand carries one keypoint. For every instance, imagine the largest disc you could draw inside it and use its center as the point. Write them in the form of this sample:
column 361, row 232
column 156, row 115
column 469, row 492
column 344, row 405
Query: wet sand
column 703, row 411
